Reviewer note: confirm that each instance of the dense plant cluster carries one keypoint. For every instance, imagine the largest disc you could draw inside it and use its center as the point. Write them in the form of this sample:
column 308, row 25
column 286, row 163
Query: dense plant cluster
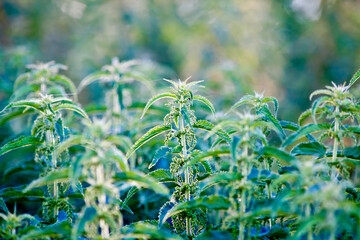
column 104, row 172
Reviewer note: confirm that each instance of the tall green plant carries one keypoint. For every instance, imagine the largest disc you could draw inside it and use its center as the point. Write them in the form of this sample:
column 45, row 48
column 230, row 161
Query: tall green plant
column 181, row 123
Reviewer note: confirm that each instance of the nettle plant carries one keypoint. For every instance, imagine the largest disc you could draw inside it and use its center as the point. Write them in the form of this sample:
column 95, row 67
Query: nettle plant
column 185, row 208
column 113, row 78
column 47, row 132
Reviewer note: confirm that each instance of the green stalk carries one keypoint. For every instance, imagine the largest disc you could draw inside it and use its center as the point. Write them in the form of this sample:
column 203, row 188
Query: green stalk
column 336, row 130
column 100, row 178
column 187, row 175
column 242, row 198
column 309, row 235
column 54, row 161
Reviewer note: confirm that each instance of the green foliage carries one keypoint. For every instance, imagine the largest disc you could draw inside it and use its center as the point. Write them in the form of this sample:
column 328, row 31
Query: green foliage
column 248, row 176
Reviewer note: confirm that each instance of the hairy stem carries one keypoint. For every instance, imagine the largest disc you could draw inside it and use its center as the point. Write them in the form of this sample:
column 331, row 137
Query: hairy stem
column 187, row 170
column 104, row 227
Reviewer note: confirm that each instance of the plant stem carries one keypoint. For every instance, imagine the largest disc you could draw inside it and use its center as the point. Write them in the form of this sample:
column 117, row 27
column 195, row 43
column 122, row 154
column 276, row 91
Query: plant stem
column 54, row 162
column 100, row 177
column 242, row 198
column 336, row 130
column 187, row 170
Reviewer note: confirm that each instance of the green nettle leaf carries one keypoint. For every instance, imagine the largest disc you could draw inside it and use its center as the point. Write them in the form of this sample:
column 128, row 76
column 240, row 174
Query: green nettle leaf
column 72, row 107
column 352, row 152
column 216, row 178
column 35, row 104
column 309, row 148
column 186, row 115
column 304, row 116
column 212, row 202
column 248, row 99
column 164, row 210
column 14, row 114
column 56, row 176
column 64, row 81
column 3, row 206
column 156, row 98
column 141, row 180
column 289, row 126
column 26, row 89
column 162, row 175
column 206, row 102
column 268, row 115
column 207, row 126
column 276, row 152
column 61, row 229
column 320, row 91
column 308, row 129
column 18, row 192
column 21, row 79
column 162, row 153
column 130, row 194
column 212, row 153
column 316, row 104
column 146, row 137
column 354, row 78
column 19, row 143
column 141, row 230
column 88, row 215
column 275, row 102
column 92, row 78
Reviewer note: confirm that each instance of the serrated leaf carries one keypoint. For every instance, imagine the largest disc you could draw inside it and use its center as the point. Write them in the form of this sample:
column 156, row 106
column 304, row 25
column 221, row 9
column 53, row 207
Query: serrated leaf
column 56, row 176
column 186, row 116
column 216, row 178
column 71, row 141
column 19, row 143
column 268, row 115
column 162, row 175
column 131, row 193
column 92, row 78
column 316, row 104
column 146, row 137
column 35, row 104
column 156, row 98
column 206, row 102
column 354, row 78
column 303, row 116
column 163, row 210
column 13, row 114
column 207, row 126
column 3, row 206
column 289, row 126
column 275, row 102
column 141, row 230
column 21, row 79
column 64, row 81
column 309, row 148
column 277, row 153
column 212, row 153
column 248, row 99
column 309, row 129
column 320, row 91
column 61, row 229
column 141, row 180
column 162, row 153
column 26, row 89
column 18, row 192
column 212, row 202
column 88, row 215
column 72, row 107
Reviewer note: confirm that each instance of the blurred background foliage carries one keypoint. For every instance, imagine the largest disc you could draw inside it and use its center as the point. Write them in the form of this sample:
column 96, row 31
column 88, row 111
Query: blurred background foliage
column 286, row 48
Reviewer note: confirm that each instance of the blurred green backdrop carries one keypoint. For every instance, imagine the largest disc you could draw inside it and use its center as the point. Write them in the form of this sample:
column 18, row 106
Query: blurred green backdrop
column 286, row 48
